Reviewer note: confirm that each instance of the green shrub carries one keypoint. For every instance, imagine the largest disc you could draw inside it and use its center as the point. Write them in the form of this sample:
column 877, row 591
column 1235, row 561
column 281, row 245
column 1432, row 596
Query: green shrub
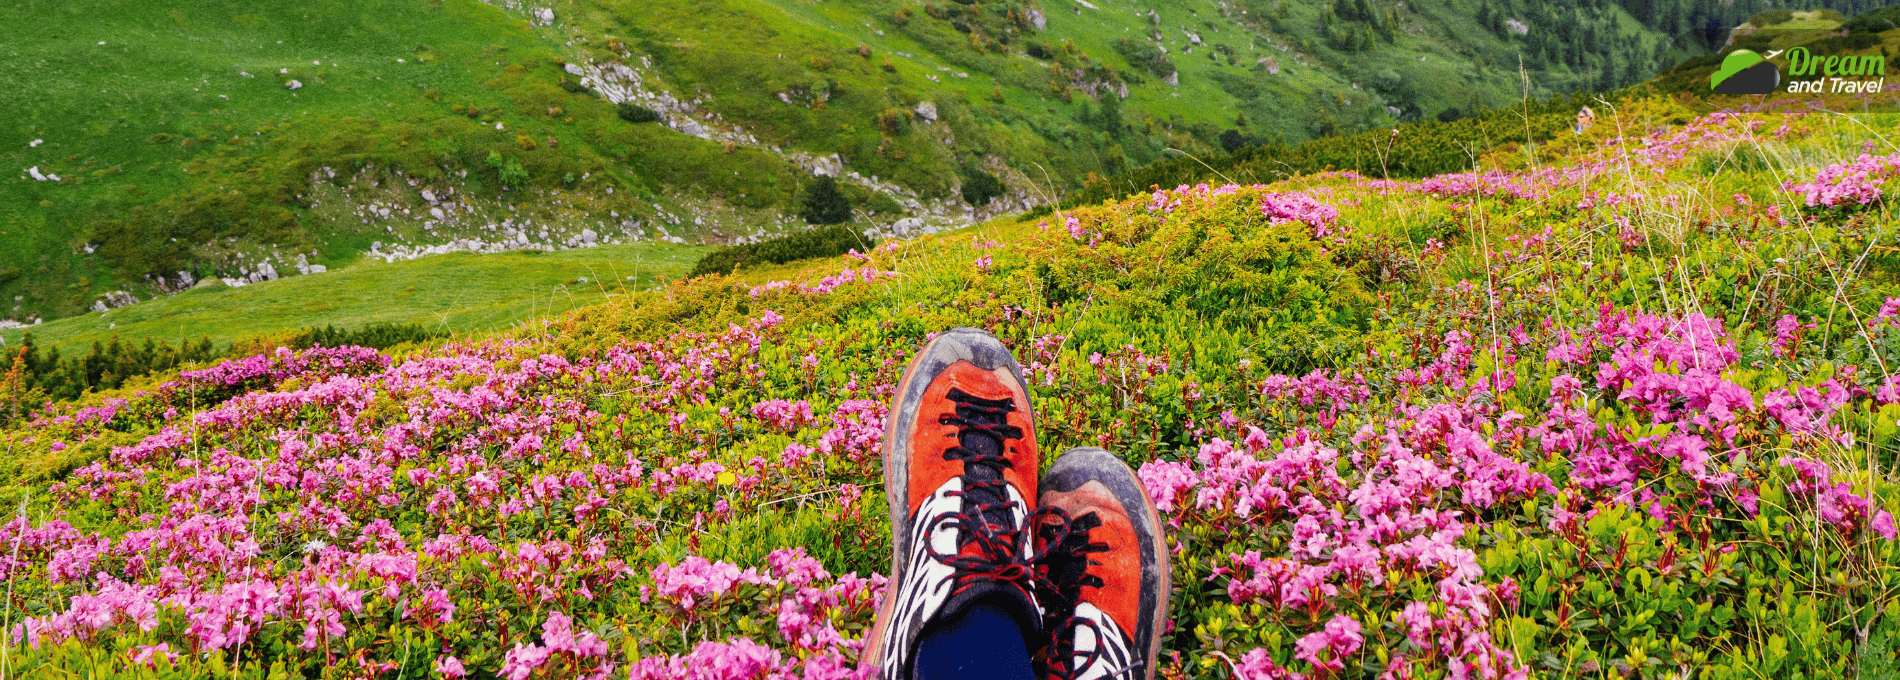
column 820, row 242
column 1875, row 21
column 635, row 113
column 508, row 171
column 824, row 203
column 378, row 335
column 979, row 187
column 107, row 365
column 1145, row 56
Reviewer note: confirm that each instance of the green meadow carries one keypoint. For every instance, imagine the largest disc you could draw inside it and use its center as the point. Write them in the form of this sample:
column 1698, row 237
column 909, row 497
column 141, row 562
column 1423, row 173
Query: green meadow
column 459, row 293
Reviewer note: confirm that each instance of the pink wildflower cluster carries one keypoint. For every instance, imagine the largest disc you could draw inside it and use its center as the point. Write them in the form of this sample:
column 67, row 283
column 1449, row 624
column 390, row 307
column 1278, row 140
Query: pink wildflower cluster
column 559, row 641
column 850, row 275
column 281, row 364
column 1348, row 537
column 1836, row 502
column 1852, row 183
column 809, row 604
column 1302, row 208
column 782, row 414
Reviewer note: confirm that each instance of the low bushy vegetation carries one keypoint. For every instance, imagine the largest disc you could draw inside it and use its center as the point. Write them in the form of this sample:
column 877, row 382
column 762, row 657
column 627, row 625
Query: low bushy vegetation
column 375, row 335
column 33, row 372
column 635, row 113
column 1412, row 149
column 36, row 373
column 979, row 187
column 811, row 243
column 824, row 203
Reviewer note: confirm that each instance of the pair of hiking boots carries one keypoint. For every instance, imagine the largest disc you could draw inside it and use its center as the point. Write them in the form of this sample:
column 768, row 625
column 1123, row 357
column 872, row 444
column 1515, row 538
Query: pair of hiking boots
column 1076, row 557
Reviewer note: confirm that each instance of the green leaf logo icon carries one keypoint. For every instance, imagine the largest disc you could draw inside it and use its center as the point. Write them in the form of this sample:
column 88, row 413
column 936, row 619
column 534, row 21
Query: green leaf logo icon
column 1745, row 72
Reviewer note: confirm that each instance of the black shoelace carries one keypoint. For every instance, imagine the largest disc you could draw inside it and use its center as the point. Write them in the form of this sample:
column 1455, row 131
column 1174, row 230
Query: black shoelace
column 987, row 518
column 1062, row 571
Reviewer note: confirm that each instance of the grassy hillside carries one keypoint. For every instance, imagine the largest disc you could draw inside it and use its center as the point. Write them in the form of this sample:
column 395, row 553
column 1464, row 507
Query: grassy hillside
column 457, row 293
column 183, row 152
column 1626, row 410
column 180, row 146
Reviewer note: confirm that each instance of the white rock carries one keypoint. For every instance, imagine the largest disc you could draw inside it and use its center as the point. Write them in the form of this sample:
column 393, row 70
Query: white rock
column 113, row 300
column 927, row 111
column 35, row 143
column 544, row 16
column 294, row 85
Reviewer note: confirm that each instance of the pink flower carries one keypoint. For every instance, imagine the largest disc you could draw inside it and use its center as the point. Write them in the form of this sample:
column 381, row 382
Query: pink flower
column 1327, row 648
column 783, row 415
column 1788, row 335
column 450, row 667
column 1853, row 183
column 696, row 580
column 1299, row 207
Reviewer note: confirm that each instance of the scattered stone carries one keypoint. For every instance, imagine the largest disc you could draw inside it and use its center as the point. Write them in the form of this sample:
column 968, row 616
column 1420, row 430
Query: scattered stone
column 927, row 111
column 113, row 300
column 544, row 16
column 294, row 85
column 35, row 143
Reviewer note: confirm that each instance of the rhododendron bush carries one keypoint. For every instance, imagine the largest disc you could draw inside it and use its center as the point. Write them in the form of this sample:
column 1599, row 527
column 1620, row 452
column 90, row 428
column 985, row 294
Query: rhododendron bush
column 1627, row 412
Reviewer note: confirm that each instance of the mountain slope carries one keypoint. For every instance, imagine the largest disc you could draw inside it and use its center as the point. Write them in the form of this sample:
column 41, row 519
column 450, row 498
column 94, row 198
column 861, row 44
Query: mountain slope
column 182, row 151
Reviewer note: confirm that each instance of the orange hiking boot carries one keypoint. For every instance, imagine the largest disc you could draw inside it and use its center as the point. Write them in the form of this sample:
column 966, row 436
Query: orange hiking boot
column 1103, row 570
column 960, row 467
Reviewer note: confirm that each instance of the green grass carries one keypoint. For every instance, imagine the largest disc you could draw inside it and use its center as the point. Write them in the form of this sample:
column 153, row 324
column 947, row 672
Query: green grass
column 460, row 293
